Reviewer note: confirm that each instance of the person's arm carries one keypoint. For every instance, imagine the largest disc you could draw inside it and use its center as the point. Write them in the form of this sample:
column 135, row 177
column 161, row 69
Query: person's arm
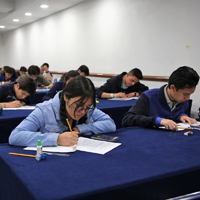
column 106, row 92
column 99, row 122
column 51, row 93
column 138, row 114
column 47, row 84
column 12, row 104
column 142, row 88
column 27, row 134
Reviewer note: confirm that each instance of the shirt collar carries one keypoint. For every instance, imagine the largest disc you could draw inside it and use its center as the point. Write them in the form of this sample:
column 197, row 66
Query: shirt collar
column 170, row 103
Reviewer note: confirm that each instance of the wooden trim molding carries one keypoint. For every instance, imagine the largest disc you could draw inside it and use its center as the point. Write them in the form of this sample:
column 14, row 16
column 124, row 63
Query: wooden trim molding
column 145, row 78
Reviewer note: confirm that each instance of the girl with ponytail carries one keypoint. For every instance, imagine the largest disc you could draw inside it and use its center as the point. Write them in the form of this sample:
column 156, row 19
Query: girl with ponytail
column 48, row 121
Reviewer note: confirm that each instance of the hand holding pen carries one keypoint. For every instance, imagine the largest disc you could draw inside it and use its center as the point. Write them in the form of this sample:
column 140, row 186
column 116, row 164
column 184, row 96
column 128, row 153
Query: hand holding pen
column 68, row 138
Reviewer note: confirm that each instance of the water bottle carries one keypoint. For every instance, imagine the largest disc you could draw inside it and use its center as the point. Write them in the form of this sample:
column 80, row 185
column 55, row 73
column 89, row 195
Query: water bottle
column 45, row 74
column 55, row 79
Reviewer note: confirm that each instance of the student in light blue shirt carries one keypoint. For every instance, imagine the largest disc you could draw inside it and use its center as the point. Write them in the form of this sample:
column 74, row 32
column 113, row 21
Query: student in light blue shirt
column 48, row 121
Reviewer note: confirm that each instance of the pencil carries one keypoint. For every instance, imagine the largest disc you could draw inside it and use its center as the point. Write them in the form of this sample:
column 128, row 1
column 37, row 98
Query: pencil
column 20, row 154
column 74, row 147
column 184, row 128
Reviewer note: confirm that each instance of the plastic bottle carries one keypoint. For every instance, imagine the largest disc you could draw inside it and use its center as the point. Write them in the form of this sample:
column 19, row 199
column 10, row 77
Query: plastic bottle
column 55, row 79
column 39, row 151
column 39, row 147
column 45, row 74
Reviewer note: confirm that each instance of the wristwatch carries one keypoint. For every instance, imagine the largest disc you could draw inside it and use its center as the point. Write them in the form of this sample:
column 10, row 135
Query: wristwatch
column 111, row 95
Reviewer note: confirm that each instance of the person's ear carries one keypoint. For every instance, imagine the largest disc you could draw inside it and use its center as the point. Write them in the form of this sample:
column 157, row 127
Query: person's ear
column 172, row 87
column 65, row 98
column 17, row 85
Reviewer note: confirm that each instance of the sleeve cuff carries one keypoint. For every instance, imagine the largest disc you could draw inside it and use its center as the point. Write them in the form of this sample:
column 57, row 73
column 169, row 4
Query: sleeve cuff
column 158, row 120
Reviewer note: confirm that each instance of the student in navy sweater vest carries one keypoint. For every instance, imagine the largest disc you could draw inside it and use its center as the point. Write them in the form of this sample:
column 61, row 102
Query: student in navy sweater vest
column 166, row 105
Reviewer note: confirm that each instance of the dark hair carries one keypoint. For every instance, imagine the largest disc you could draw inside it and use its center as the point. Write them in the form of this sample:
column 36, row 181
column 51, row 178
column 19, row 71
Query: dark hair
column 45, row 64
column 70, row 74
column 27, row 84
column 9, row 70
column 85, row 69
column 137, row 73
column 81, row 87
column 23, row 69
column 184, row 77
column 33, row 70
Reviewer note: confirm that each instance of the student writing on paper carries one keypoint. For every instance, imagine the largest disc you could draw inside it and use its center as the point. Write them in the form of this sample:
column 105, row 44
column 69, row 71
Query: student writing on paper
column 60, row 85
column 34, row 73
column 124, row 85
column 7, row 75
column 14, row 95
column 48, row 123
column 166, row 105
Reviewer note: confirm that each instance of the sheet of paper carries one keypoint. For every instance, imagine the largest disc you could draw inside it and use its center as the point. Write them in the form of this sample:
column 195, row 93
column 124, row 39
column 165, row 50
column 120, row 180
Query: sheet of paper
column 21, row 108
column 84, row 144
column 185, row 125
column 123, row 99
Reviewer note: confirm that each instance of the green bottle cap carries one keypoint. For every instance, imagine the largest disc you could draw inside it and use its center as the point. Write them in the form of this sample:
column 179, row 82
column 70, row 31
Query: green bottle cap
column 39, row 143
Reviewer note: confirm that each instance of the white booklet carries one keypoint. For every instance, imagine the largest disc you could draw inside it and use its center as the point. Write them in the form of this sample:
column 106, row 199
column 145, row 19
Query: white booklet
column 84, row 144
column 21, row 108
column 124, row 99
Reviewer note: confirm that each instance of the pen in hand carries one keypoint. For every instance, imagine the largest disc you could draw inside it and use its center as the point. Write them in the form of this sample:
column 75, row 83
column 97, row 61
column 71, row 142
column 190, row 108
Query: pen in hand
column 74, row 147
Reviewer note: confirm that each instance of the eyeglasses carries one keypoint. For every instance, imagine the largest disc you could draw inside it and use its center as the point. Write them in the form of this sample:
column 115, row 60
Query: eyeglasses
column 81, row 108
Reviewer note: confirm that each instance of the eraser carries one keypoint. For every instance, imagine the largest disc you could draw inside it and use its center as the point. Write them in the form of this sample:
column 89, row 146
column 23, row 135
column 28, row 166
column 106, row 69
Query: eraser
column 188, row 133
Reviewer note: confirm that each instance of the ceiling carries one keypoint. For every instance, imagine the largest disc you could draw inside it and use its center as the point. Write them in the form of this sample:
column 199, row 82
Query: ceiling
column 16, row 9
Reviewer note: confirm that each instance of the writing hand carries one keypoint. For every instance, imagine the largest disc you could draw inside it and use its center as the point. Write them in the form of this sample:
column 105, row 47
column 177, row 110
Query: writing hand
column 67, row 138
column 14, row 104
column 169, row 124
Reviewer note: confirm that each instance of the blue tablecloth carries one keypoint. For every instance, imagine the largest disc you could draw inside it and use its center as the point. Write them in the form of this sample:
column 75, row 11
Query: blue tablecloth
column 11, row 118
column 150, row 164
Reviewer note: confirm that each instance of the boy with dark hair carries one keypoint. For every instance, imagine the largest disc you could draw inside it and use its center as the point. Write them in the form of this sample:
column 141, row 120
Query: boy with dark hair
column 166, row 105
column 34, row 73
column 45, row 69
column 83, row 70
column 124, row 85
column 7, row 75
column 21, row 71
column 13, row 95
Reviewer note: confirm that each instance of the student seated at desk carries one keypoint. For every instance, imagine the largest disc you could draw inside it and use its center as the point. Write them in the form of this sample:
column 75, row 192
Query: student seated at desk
column 7, row 75
column 21, row 71
column 124, row 85
column 60, row 85
column 34, row 73
column 166, row 105
column 44, row 69
column 48, row 121
column 83, row 70
column 13, row 95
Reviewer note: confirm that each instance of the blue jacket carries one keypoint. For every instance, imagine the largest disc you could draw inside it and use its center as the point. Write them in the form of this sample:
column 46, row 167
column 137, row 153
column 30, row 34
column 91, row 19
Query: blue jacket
column 151, row 108
column 53, row 90
column 44, row 124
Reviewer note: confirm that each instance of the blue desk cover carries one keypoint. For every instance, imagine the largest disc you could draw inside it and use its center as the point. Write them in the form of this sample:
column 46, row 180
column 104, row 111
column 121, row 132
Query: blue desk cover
column 150, row 164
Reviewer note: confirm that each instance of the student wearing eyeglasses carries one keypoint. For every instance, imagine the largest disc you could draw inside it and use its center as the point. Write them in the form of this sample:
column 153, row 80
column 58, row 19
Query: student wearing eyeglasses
column 48, row 121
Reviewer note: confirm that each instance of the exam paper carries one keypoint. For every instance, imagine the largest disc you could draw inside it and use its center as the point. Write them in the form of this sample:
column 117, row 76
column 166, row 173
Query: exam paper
column 84, row 144
column 123, row 99
column 21, row 108
column 185, row 125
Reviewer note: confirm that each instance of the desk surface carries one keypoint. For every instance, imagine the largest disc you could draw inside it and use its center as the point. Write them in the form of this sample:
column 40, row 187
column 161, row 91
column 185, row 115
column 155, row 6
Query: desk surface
column 150, row 164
